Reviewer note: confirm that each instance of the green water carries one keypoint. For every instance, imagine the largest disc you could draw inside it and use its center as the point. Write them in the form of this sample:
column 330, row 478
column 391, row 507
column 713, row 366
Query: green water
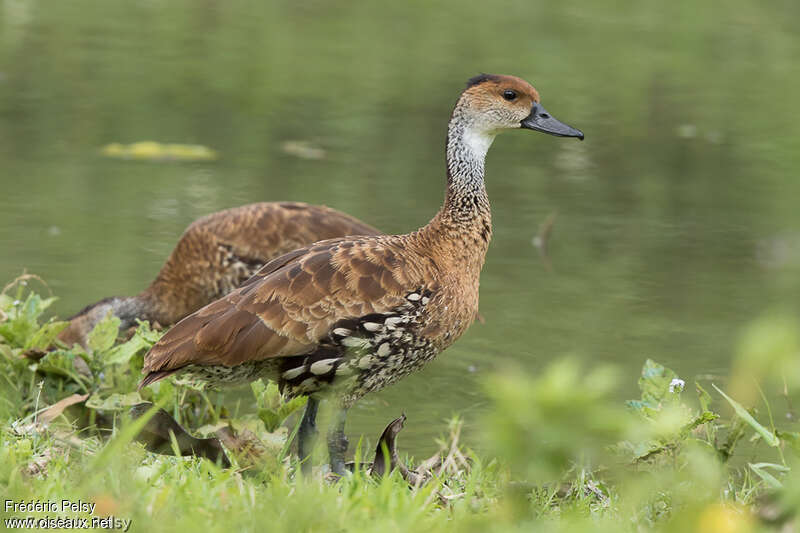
column 677, row 219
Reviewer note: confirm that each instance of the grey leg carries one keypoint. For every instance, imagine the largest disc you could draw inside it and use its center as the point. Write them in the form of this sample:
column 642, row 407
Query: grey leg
column 306, row 434
column 337, row 442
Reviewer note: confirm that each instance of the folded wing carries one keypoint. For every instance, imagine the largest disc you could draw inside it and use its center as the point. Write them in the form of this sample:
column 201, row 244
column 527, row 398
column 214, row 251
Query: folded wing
column 288, row 307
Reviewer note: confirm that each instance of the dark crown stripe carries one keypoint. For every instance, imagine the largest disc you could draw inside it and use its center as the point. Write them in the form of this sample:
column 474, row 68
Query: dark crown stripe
column 481, row 78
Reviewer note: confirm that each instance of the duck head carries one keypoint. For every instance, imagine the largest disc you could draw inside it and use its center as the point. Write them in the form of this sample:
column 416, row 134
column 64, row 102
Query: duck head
column 493, row 103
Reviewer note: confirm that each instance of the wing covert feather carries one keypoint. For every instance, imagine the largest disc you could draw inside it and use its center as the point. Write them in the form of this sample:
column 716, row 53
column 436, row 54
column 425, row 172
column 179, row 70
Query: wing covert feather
column 288, row 306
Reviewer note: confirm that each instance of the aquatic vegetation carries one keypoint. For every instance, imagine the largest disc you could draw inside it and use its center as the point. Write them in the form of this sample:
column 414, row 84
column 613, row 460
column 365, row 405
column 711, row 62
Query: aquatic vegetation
column 561, row 453
column 155, row 151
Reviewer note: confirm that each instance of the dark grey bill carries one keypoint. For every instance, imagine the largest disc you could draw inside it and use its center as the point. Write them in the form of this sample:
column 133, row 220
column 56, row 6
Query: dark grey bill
column 541, row 120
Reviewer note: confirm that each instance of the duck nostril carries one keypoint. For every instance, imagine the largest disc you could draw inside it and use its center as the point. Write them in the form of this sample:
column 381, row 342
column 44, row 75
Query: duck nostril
column 544, row 115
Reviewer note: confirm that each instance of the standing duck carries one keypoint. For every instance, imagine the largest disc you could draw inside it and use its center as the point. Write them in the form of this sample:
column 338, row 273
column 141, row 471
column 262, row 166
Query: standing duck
column 345, row 317
column 215, row 255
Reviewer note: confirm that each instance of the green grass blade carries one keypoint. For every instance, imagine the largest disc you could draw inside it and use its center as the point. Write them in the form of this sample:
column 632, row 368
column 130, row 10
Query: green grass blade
column 767, row 435
column 769, row 479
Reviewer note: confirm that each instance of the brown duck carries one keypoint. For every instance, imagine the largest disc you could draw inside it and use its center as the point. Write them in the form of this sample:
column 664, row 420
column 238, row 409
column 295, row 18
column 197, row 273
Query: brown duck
column 214, row 256
column 345, row 317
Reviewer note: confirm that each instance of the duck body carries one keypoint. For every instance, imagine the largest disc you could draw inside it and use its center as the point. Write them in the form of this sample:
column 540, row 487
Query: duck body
column 215, row 254
column 345, row 317
column 380, row 306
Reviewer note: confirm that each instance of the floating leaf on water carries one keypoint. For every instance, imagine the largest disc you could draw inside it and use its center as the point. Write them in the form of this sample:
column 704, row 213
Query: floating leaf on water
column 303, row 150
column 542, row 239
column 114, row 150
column 686, row 131
column 155, row 151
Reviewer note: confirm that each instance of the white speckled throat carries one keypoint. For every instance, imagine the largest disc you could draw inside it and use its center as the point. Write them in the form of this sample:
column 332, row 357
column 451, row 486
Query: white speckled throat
column 468, row 141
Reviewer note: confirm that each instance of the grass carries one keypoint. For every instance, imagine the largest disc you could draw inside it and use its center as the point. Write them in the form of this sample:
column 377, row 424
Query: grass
column 562, row 454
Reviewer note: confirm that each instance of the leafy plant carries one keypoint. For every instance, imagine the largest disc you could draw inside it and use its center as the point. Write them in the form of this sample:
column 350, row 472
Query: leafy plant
column 669, row 420
column 570, row 456
column 273, row 408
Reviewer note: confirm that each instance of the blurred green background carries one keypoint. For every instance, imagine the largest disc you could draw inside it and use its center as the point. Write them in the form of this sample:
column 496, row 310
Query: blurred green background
column 677, row 219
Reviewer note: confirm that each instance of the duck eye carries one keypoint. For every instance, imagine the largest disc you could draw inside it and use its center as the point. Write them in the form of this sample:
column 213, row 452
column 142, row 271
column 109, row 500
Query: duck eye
column 509, row 94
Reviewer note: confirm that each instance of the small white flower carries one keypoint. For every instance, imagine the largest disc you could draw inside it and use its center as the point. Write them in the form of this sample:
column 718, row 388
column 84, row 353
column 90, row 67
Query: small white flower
column 676, row 385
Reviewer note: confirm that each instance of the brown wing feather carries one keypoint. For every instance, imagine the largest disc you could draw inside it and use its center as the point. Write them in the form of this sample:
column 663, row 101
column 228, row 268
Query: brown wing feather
column 197, row 270
column 289, row 305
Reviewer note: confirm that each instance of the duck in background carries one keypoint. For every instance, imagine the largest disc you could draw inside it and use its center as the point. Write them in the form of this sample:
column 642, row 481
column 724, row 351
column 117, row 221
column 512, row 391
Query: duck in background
column 215, row 255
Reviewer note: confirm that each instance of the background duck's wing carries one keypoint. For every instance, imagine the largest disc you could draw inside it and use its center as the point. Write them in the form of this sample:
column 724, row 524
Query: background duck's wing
column 288, row 307
column 218, row 252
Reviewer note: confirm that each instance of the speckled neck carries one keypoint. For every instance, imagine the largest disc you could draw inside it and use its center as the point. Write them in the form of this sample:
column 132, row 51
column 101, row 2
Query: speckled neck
column 467, row 145
column 462, row 228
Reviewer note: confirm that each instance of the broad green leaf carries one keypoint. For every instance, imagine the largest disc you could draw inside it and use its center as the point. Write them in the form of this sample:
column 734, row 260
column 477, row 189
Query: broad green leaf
column 270, row 418
column 12, row 357
column 655, row 382
column 761, row 470
column 34, row 306
column 273, row 418
column 45, row 336
column 123, row 352
column 258, row 389
column 147, row 333
column 58, row 362
column 291, row 406
column 766, row 434
column 104, row 334
column 272, row 397
column 23, row 317
column 659, row 386
column 142, row 339
column 62, row 363
column 114, row 402
column 272, row 407
column 8, row 334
